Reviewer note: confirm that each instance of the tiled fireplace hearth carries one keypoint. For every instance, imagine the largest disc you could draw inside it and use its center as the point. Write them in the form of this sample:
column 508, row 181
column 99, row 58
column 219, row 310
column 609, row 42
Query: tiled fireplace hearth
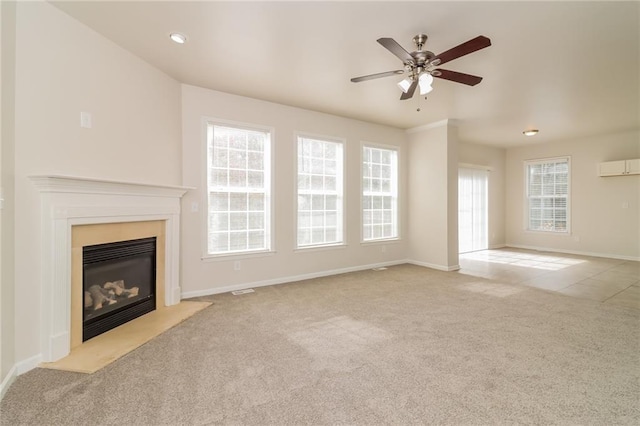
column 77, row 212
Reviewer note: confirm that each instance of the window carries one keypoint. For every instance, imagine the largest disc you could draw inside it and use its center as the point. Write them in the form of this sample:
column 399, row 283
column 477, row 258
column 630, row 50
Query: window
column 379, row 193
column 238, row 183
column 548, row 195
column 319, row 192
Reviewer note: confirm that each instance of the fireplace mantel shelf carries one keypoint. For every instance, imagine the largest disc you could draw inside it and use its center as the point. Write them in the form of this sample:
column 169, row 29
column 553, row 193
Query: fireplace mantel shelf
column 84, row 185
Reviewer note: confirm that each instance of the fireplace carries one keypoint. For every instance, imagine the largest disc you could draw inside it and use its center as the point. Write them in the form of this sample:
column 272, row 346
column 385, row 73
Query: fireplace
column 118, row 284
column 77, row 212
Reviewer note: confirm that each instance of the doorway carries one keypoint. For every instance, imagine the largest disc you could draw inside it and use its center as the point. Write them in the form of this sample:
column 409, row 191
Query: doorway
column 472, row 209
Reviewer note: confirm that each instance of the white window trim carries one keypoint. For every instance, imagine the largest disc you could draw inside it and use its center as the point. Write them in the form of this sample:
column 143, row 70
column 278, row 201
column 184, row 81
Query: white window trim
column 204, row 202
column 398, row 236
column 526, row 163
column 328, row 246
column 324, row 247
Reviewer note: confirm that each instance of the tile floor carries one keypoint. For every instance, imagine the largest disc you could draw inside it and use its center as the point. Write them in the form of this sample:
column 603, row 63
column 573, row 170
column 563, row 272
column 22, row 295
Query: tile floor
column 605, row 280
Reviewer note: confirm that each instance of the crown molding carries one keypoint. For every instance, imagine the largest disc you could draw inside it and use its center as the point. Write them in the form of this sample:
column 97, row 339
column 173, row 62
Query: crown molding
column 446, row 122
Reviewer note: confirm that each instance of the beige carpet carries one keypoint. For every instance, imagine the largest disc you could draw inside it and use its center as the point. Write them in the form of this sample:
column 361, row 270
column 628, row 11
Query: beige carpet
column 407, row 345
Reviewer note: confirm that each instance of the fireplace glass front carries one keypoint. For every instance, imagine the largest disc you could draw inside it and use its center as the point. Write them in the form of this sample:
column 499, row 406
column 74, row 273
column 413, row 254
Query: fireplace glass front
column 119, row 284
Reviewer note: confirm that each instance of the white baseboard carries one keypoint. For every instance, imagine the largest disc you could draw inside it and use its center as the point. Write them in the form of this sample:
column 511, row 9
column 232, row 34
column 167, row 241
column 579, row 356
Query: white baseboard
column 581, row 253
column 497, row 246
column 28, row 364
column 434, row 266
column 18, row 369
column 289, row 279
column 6, row 382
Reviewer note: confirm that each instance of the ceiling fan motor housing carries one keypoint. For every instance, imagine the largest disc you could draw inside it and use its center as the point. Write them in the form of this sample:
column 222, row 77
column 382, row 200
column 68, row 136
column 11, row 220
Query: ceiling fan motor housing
column 422, row 58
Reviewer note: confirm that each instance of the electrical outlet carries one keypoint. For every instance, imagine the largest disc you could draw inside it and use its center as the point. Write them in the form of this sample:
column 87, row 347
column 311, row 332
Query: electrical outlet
column 194, row 207
column 85, row 120
column 236, row 265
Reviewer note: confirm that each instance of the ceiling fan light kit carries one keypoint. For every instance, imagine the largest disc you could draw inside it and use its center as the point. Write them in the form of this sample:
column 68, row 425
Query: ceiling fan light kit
column 404, row 85
column 424, row 81
column 421, row 65
column 530, row 132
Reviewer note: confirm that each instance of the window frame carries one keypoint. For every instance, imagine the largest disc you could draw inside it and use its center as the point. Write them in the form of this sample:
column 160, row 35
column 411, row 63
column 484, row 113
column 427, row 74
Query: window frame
column 208, row 125
column 395, row 193
column 341, row 195
column 527, row 209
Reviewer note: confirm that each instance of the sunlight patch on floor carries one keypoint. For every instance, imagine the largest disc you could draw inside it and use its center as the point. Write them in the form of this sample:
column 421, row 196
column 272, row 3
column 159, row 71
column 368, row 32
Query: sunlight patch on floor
column 337, row 336
column 526, row 260
column 491, row 289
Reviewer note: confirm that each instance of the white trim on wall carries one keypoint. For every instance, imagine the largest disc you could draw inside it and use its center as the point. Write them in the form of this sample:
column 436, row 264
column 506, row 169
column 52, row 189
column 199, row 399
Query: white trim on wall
column 578, row 252
column 8, row 380
column 289, row 279
column 18, row 369
column 434, row 266
column 434, row 125
column 28, row 364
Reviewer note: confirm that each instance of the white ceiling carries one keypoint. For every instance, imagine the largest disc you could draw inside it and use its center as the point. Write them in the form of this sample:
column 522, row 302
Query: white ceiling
column 570, row 69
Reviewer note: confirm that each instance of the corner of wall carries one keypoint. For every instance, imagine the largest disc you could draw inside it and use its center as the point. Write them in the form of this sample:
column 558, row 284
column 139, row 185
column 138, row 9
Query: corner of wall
column 433, row 189
column 7, row 381
column 7, row 214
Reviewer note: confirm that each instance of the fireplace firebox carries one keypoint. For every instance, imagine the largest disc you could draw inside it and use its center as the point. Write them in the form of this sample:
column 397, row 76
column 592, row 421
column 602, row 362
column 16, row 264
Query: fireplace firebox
column 118, row 284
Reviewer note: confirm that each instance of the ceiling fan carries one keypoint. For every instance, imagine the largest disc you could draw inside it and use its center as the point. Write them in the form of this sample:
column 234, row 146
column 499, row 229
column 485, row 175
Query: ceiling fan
column 421, row 64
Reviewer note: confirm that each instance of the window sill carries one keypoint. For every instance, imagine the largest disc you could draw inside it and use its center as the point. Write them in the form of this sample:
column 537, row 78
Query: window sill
column 237, row 256
column 319, row 248
column 558, row 233
column 380, row 241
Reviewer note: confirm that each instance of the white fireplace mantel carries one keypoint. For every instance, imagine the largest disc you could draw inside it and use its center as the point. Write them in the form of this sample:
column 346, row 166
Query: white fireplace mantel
column 67, row 201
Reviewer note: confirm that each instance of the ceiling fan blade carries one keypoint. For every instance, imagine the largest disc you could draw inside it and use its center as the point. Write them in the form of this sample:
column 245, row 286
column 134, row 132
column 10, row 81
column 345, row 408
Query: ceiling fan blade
column 458, row 77
column 410, row 92
column 378, row 75
column 470, row 46
column 392, row 46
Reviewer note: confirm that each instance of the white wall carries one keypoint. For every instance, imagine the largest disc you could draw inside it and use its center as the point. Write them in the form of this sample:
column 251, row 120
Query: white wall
column 433, row 196
column 7, row 214
column 599, row 223
column 63, row 68
column 206, row 277
column 494, row 159
column 452, row 199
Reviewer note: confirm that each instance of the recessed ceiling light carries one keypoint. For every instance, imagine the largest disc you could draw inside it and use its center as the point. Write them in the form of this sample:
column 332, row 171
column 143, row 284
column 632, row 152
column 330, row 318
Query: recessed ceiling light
column 531, row 132
column 178, row 38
